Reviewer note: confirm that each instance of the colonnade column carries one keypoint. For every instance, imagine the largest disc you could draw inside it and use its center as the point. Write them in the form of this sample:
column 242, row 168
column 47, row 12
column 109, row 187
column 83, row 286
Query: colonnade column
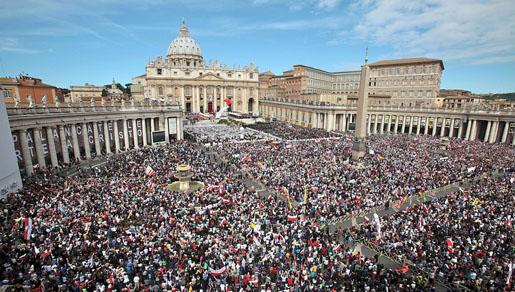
column 167, row 131
column 144, row 131
column 403, row 124
column 426, row 126
column 135, row 134
column 451, row 129
column 98, row 151
column 473, row 131
column 51, row 146
column 442, row 129
column 460, row 129
column 396, row 126
column 344, row 122
column 487, row 133
column 505, row 132
column 106, row 137
column 85, row 140
column 125, row 135
column 39, row 148
column 493, row 132
column 435, row 125
column 75, row 143
column 419, row 121
column 467, row 132
column 410, row 125
column 376, row 121
column 64, row 146
column 389, row 125
column 25, row 152
column 116, row 137
column 382, row 124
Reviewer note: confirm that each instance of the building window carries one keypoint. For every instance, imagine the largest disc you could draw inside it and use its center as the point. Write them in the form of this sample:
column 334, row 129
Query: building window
column 159, row 71
column 187, row 73
column 174, row 73
column 160, row 90
column 200, row 73
column 251, row 75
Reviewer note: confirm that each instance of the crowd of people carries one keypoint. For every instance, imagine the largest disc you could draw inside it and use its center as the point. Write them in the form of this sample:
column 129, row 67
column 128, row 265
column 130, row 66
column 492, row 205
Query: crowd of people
column 292, row 132
column 216, row 134
column 321, row 175
column 465, row 238
column 118, row 227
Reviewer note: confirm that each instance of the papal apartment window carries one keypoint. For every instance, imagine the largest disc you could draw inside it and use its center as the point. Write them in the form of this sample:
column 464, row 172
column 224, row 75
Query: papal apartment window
column 175, row 73
column 251, row 75
column 159, row 71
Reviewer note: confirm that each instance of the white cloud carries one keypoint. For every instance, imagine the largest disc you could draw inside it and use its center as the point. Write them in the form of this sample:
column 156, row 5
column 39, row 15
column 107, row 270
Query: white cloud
column 13, row 45
column 327, row 4
column 471, row 31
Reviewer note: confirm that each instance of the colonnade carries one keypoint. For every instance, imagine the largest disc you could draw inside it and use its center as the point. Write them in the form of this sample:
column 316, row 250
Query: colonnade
column 491, row 128
column 81, row 140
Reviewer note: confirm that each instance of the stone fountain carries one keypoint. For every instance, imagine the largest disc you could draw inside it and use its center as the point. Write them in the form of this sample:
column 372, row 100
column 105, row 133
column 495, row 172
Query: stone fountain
column 184, row 183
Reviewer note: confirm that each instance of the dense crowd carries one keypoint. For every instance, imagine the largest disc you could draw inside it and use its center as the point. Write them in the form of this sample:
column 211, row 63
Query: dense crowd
column 465, row 238
column 119, row 228
column 292, row 132
column 214, row 133
column 396, row 167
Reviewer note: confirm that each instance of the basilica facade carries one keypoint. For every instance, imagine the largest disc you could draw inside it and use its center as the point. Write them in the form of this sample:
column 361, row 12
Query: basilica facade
column 183, row 76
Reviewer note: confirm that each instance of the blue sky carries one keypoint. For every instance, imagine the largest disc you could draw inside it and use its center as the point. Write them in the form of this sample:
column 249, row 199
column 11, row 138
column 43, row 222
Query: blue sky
column 71, row 42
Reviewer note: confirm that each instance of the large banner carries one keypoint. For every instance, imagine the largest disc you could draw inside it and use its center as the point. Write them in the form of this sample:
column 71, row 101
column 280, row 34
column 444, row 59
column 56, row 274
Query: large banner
column 79, row 131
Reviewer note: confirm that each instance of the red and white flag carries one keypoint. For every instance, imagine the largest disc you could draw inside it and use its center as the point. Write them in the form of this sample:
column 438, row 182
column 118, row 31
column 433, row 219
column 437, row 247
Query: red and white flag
column 292, row 218
column 27, row 228
column 216, row 273
column 150, row 171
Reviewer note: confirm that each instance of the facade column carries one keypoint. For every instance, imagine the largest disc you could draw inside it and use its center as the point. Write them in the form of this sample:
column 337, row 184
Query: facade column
column 321, row 121
column 64, row 145
column 85, row 140
column 460, row 129
column 39, row 148
column 179, row 129
column 51, row 146
column 344, row 122
column 116, row 137
column 381, row 131
column 426, row 126
column 126, row 135
column 183, row 99
column 152, row 125
column 205, row 99
column 135, row 134
column 369, row 126
column 473, row 131
column 313, row 120
column 487, row 133
column 493, row 132
column 403, row 124
column 396, row 125
column 410, row 124
column 451, row 129
column 389, row 125
column 144, row 131
column 442, row 130
column 513, row 139
column 419, row 121
column 376, row 120
column 107, row 137
column 98, row 150
column 505, row 132
column 469, row 127
column 75, row 143
column 25, row 152
column 165, row 127
column 435, row 125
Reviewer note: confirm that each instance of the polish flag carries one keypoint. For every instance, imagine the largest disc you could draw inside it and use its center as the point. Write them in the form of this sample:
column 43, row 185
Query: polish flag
column 150, row 171
column 216, row 273
column 404, row 269
column 226, row 202
column 292, row 218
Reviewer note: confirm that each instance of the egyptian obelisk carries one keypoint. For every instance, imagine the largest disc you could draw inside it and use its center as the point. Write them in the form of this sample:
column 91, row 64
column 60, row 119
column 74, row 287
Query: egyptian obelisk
column 360, row 135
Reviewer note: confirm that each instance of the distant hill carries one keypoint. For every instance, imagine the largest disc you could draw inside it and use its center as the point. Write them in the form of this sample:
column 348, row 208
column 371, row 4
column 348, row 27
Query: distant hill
column 508, row 96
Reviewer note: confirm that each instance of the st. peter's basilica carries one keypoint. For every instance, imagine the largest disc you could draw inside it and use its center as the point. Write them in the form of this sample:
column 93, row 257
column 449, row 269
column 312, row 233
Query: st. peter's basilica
column 184, row 77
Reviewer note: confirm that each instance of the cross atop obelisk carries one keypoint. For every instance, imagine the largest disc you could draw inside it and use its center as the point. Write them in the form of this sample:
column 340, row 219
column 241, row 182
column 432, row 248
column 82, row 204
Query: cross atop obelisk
column 360, row 135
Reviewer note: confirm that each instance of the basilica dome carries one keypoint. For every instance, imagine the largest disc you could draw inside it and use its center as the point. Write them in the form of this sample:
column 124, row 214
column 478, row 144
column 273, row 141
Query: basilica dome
column 183, row 44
